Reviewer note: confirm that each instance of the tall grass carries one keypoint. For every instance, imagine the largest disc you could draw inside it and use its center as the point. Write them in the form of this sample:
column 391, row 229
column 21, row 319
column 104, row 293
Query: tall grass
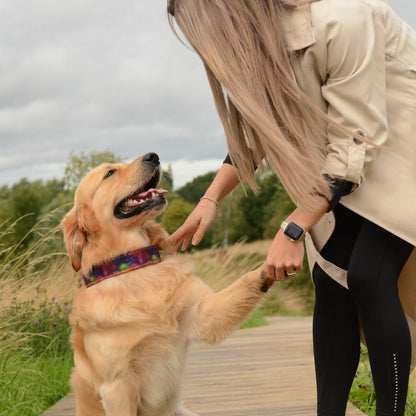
column 36, row 290
column 29, row 385
column 221, row 266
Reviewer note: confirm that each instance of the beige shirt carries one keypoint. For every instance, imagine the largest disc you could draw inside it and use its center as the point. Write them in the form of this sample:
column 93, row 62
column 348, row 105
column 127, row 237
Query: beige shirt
column 357, row 60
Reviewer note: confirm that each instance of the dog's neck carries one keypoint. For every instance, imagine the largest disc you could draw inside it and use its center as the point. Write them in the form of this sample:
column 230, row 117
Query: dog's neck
column 124, row 263
column 107, row 245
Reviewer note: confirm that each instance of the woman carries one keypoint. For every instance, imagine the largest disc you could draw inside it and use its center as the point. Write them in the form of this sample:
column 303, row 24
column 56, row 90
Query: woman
column 325, row 92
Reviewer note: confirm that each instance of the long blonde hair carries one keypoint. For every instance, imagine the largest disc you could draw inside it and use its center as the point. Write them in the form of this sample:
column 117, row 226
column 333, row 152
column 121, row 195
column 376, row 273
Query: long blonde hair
column 263, row 111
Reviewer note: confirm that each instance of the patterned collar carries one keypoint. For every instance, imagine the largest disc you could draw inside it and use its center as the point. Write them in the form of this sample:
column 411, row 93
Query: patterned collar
column 122, row 264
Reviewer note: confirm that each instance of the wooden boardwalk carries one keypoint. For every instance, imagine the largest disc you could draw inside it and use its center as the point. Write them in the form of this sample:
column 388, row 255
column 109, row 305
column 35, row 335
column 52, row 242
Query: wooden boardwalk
column 266, row 371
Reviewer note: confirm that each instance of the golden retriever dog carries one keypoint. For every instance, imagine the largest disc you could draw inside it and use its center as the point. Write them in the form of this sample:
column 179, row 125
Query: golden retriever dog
column 131, row 330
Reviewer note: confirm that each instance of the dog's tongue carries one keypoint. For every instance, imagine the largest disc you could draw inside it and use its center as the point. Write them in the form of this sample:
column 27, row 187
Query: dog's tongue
column 150, row 193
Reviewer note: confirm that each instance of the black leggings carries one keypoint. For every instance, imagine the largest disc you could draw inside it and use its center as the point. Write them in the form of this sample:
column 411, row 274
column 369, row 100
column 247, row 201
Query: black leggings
column 374, row 259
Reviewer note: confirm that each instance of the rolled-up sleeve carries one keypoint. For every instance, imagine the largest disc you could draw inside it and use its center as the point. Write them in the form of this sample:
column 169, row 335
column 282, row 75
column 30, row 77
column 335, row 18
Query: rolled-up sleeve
column 355, row 91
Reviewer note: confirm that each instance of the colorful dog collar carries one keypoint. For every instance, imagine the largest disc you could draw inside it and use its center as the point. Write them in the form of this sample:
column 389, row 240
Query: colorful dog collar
column 123, row 264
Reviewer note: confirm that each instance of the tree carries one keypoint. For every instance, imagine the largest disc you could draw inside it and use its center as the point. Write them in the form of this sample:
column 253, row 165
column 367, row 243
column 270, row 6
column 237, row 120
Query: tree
column 175, row 214
column 167, row 179
column 192, row 191
column 230, row 224
column 264, row 212
column 5, row 192
column 278, row 209
column 79, row 165
column 29, row 210
column 24, row 204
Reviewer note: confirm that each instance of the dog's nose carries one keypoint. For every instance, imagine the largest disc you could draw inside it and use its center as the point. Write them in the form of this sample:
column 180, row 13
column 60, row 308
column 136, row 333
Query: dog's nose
column 151, row 158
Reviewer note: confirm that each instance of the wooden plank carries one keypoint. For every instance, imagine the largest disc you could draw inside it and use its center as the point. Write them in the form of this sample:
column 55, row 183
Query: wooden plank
column 256, row 372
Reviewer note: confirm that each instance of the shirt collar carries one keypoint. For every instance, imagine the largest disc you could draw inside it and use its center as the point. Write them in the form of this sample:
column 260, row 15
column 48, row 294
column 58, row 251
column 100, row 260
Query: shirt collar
column 298, row 28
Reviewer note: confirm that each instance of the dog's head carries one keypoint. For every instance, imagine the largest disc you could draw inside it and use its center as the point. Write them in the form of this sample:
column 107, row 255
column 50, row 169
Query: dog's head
column 112, row 204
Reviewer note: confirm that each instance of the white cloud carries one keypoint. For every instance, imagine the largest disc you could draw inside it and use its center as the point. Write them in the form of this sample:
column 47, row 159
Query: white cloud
column 184, row 169
column 81, row 76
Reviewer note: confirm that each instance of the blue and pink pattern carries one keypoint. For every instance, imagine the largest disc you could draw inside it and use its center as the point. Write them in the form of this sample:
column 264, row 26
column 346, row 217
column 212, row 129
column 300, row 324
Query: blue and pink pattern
column 123, row 264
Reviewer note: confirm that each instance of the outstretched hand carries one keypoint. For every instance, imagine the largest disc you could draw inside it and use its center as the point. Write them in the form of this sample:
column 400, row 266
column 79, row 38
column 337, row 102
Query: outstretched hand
column 195, row 226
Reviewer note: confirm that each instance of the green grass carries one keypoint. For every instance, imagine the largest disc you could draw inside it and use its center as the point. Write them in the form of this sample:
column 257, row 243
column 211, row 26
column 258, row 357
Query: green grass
column 363, row 395
column 29, row 385
column 256, row 319
column 35, row 357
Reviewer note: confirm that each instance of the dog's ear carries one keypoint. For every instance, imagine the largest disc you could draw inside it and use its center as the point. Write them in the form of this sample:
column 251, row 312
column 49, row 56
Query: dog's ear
column 75, row 236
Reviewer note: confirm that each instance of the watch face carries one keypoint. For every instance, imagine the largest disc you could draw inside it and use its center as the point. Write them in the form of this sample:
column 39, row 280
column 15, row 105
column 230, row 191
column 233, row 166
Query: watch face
column 294, row 231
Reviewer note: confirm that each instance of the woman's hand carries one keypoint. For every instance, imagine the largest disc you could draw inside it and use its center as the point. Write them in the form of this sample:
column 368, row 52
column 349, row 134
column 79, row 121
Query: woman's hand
column 199, row 220
column 285, row 257
column 204, row 214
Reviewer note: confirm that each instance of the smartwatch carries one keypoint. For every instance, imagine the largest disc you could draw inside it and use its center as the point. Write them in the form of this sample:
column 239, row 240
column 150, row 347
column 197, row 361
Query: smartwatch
column 292, row 230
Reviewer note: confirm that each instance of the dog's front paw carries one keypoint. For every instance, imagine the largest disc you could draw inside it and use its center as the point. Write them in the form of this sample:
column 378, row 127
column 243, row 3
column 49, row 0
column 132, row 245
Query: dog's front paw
column 266, row 282
column 163, row 245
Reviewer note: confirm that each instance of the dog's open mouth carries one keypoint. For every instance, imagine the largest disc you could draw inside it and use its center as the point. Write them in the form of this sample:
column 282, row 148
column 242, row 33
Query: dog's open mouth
column 142, row 200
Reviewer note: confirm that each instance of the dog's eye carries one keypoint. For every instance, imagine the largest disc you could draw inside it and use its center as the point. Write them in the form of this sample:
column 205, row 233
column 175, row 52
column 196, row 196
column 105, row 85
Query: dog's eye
column 109, row 173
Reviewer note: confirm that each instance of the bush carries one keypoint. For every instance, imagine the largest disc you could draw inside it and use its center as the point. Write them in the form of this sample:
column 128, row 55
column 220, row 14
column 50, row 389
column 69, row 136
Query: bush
column 39, row 326
column 175, row 214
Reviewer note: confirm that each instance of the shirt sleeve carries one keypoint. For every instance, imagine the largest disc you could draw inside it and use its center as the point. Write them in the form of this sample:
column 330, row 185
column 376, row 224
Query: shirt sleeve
column 355, row 91
column 339, row 188
column 227, row 160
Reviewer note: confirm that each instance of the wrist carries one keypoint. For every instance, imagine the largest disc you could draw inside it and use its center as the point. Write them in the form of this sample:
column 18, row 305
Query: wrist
column 207, row 201
column 306, row 218
column 208, row 198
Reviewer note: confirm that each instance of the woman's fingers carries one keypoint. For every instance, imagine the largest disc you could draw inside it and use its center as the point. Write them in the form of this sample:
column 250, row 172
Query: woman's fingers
column 180, row 236
column 281, row 275
column 284, row 258
column 199, row 233
column 271, row 272
column 194, row 227
column 185, row 241
column 174, row 245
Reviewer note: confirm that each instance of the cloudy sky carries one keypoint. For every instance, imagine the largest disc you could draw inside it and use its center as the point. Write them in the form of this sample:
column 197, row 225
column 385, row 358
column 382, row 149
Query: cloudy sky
column 83, row 75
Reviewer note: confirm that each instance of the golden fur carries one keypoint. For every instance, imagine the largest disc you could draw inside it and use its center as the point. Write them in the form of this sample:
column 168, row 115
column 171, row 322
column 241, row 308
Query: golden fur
column 131, row 332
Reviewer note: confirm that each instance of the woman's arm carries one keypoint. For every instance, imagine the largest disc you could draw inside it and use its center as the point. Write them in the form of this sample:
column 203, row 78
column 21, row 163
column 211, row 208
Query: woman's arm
column 225, row 181
column 204, row 214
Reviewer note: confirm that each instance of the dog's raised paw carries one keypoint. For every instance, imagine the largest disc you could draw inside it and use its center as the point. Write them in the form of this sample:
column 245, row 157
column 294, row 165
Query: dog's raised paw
column 267, row 284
